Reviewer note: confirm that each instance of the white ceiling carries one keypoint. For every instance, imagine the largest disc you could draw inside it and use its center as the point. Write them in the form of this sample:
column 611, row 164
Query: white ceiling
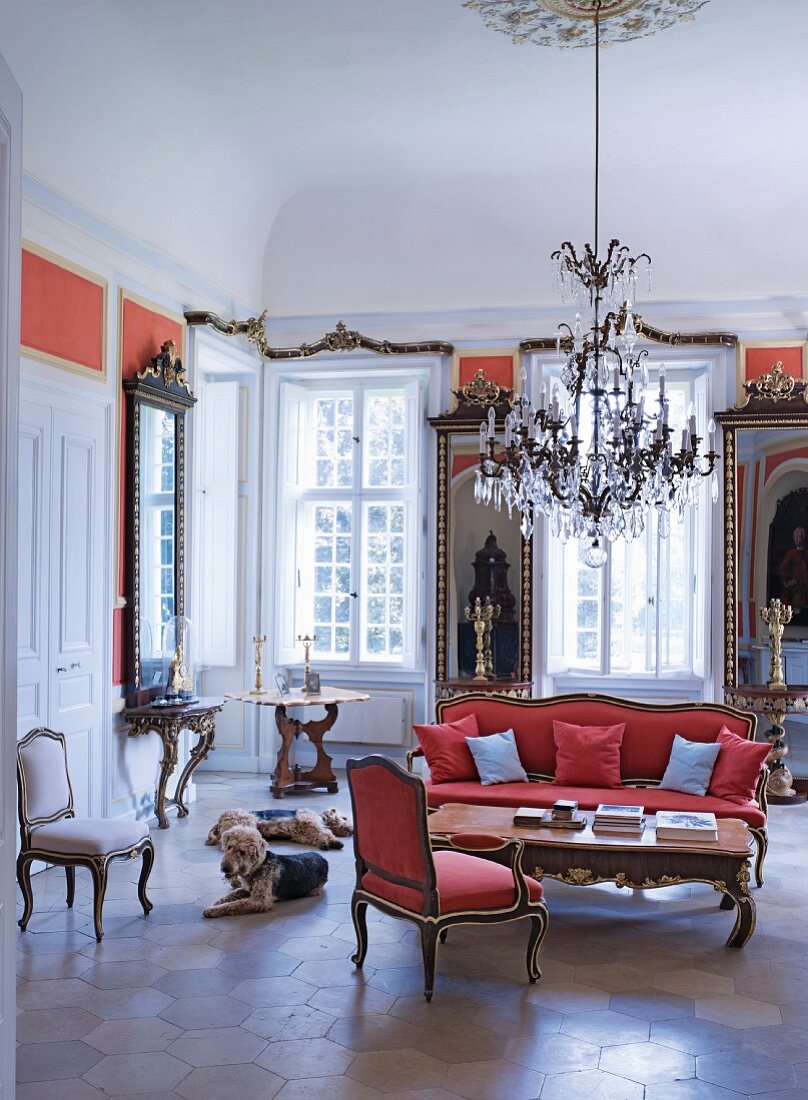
column 347, row 156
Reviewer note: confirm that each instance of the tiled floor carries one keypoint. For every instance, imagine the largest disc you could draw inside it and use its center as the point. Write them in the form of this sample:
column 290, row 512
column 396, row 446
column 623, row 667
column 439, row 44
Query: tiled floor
column 639, row 999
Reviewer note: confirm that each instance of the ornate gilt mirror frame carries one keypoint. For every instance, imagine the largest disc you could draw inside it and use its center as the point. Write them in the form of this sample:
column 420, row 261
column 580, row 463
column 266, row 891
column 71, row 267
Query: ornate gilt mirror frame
column 162, row 385
column 474, row 400
column 775, row 401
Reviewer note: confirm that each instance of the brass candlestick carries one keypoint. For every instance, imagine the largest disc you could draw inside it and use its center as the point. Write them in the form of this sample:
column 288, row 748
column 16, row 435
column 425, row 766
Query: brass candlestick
column 489, row 629
column 776, row 616
column 480, row 618
column 308, row 642
column 258, row 640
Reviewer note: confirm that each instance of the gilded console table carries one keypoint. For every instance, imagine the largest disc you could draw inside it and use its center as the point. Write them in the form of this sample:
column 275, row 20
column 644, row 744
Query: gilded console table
column 289, row 778
column 168, row 723
column 514, row 689
column 773, row 704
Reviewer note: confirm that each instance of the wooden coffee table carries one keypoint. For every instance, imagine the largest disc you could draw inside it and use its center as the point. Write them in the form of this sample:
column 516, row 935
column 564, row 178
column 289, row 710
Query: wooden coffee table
column 583, row 858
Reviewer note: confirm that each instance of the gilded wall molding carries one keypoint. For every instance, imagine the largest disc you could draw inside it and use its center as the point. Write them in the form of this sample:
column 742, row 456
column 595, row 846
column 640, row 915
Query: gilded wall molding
column 340, row 339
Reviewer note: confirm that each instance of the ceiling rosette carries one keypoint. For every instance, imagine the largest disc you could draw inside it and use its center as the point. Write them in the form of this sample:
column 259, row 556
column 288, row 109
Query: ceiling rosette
column 570, row 23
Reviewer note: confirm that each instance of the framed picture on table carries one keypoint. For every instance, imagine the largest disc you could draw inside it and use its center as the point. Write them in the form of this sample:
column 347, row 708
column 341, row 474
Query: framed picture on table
column 312, row 683
column 283, row 684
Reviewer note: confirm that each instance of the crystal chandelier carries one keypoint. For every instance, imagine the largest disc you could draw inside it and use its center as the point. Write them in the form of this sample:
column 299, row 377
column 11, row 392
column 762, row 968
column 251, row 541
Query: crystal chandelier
column 599, row 454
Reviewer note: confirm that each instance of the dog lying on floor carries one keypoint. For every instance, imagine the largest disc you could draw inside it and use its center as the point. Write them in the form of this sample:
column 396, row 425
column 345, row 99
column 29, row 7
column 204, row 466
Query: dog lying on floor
column 314, row 828
column 259, row 877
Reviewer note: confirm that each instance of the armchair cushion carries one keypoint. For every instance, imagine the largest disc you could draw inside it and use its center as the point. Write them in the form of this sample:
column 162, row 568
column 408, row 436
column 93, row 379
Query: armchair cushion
column 737, row 768
column 88, row 836
column 464, row 883
column 446, row 751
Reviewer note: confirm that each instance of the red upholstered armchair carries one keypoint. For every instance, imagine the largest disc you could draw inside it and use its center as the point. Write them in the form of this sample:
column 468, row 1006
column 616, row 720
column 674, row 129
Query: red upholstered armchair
column 398, row 872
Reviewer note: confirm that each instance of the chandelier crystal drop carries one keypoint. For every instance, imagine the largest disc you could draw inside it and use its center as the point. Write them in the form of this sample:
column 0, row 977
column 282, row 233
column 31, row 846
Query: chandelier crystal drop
column 598, row 454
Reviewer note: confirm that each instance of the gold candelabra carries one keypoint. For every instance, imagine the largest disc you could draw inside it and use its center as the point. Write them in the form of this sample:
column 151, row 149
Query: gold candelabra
column 776, row 616
column 489, row 629
column 481, row 618
column 308, row 642
column 258, row 641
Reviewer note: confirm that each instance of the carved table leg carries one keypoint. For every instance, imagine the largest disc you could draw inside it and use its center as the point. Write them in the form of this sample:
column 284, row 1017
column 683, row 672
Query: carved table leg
column 746, row 916
column 288, row 777
column 206, row 727
column 169, row 735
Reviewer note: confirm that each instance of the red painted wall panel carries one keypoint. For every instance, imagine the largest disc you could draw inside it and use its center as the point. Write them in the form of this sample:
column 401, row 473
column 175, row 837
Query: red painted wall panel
column 62, row 313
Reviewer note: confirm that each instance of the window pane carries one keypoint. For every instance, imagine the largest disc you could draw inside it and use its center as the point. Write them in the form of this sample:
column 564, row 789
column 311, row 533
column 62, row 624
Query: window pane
column 383, row 563
column 333, row 442
column 327, row 607
column 384, row 439
column 583, row 605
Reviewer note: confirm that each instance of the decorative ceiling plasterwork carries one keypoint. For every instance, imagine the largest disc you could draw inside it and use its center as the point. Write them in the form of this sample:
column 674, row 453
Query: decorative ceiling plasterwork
column 570, row 23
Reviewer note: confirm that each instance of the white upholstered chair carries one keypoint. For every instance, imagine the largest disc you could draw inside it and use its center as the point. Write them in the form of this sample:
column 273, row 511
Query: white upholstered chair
column 50, row 830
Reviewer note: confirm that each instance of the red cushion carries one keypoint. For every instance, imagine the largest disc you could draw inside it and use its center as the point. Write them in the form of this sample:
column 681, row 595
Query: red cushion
column 543, row 795
column 737, row 768
column 446, row 751
column 464, row 882
column 588, row 755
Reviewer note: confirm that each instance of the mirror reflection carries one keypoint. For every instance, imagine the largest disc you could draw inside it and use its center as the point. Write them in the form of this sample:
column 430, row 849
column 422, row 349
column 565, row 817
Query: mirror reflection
column 485, row 548
column 157, row 573
column 772, row 541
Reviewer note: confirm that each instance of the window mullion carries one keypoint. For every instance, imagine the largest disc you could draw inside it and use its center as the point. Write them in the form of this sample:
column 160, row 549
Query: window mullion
column 357, row 523
column 606, row 616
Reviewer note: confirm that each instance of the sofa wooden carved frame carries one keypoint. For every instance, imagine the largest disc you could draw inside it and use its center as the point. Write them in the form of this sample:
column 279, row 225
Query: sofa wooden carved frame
column 750, row 720
column 432, row 926
column 97, row 864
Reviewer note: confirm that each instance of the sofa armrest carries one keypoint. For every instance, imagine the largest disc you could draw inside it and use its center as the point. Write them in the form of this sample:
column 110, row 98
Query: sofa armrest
column 761, row 791
column 411, row 755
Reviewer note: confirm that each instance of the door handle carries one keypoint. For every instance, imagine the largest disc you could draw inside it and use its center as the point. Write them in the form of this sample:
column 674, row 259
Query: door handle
column 61, row 668
column 75, row 664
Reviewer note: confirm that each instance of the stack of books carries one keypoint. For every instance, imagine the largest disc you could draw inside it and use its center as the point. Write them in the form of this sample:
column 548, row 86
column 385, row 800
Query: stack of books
column 681, row 825
column 564, row 815
column 619, row 820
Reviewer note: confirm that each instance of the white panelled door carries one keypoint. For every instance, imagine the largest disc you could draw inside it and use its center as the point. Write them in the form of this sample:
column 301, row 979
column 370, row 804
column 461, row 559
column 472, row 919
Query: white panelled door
column 62, row 580
column 10, row 190
column 33, row 558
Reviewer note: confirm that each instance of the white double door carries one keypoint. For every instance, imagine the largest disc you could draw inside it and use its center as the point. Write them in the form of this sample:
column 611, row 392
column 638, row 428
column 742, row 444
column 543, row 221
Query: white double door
column 63, row 579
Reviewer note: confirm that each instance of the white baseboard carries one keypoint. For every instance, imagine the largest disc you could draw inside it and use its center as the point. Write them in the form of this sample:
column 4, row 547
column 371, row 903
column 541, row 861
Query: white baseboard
column 233, row 762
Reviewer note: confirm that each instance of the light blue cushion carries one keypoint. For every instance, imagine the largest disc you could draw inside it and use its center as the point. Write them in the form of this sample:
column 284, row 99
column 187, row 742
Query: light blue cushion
column 497, row 759
column 690, row 766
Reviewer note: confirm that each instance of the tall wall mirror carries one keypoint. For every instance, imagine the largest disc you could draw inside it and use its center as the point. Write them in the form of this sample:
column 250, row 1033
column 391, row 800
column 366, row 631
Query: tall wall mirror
column 158, row 398
column 766, row 537
column 480, row 555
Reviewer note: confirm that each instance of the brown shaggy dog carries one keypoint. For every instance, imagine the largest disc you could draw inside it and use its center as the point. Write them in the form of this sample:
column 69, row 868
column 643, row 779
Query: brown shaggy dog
column 317, row 829
column 260, row 877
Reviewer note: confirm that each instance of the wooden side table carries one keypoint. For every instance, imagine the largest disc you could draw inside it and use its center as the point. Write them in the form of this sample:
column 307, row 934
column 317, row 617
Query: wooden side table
column 168, row 723
column 773, row 705
column 290, row 778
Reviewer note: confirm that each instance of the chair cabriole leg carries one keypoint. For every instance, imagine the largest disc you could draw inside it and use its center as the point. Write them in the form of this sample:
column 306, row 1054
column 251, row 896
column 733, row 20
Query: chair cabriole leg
column 99, row 873
column 538, row 931
column 147, row 856
column 359, row 914
column 24, row 879
column 429, row 950
column 70, row 876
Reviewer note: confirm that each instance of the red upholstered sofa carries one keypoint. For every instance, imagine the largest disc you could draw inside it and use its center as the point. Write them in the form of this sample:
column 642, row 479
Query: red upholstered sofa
column 644, row 755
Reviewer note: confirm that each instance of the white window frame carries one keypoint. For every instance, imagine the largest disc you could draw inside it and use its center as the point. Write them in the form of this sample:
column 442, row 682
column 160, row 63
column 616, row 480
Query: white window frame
column 295, row 423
